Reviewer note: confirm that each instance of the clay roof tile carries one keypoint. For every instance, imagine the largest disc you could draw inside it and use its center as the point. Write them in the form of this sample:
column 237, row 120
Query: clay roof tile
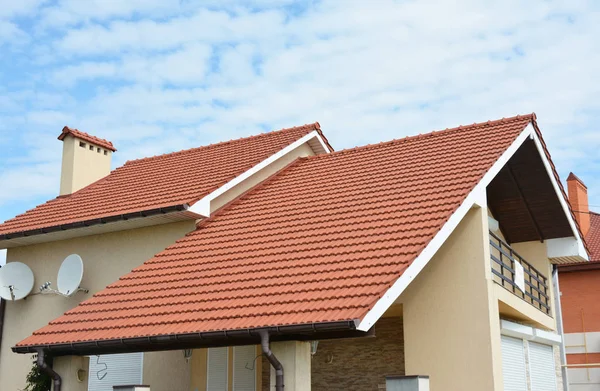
column 320, row 241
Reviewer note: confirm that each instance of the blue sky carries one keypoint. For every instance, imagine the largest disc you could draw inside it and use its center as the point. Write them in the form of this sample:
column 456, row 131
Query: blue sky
column 155, row 76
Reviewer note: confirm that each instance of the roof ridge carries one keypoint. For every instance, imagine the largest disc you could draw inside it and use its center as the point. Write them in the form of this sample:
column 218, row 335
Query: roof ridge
column 314, row 125
column 531, row 117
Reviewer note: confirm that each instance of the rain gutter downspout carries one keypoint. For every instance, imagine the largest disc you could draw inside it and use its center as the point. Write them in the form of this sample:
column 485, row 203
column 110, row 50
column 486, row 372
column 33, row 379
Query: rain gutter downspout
column 43, row 365
column 264, row 341
column 559, row 328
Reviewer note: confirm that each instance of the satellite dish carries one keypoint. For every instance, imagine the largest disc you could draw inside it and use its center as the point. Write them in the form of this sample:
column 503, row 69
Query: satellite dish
column 70, row 275
column 16, row 281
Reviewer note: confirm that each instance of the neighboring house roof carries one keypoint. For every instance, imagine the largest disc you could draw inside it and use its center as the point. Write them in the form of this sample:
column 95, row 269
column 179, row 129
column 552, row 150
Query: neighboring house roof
column 160, row 182
column 87, row 137
column 321, row 241
column 593, row 237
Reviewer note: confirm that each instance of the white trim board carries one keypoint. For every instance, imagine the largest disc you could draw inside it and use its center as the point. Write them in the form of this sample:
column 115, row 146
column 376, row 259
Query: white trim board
column 517, row 330
column 202, row 207
column 563, row 202
column 477, row 197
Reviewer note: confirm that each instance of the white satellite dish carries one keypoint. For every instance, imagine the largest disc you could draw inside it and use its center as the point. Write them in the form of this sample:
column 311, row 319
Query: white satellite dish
column 16, row 281
column 70, row 275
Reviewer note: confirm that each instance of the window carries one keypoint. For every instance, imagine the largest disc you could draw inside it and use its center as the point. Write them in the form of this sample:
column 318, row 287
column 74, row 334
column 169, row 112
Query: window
column 513, row 364
column 114, row 370
column 238, row 363
column 542, row 367
column 244, row 372
column 105, row 152
column 91, row 147
column 217, row 375
column 99, row 150
column 526, row 362
column 82, row 144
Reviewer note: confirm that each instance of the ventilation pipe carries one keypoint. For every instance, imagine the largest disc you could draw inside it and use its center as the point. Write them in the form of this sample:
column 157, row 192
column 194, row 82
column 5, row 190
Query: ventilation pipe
column 43, row 365
column 264, row 341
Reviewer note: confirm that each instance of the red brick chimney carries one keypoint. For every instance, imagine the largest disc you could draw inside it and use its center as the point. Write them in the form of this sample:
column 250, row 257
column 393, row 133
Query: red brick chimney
column 578, row 197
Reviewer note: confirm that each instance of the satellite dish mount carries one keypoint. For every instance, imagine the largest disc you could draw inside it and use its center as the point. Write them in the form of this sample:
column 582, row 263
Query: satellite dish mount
column 16, row 281
column 69, row 278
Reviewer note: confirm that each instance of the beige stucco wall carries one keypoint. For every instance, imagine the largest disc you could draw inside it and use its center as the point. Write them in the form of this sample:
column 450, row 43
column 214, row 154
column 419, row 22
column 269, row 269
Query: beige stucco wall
column 68, row 368
column 451, row 326
column 82, row 166
column 167, row 371
column 199, row 366
column 296, row 360
column 106, row 257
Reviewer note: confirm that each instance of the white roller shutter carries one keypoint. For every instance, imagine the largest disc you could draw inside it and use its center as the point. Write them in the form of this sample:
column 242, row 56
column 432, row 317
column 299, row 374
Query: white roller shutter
column 513, row 364
column 541, row 367
column 217, row 376
column 115, row 370
column 244, row 379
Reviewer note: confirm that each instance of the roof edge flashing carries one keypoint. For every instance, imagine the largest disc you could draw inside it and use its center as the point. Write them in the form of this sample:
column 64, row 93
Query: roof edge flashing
column 559, row 192
column 473, row 199
column 204, row 206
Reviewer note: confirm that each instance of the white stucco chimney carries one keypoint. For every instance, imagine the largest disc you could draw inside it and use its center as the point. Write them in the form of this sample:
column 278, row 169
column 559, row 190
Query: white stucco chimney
column 85, row 160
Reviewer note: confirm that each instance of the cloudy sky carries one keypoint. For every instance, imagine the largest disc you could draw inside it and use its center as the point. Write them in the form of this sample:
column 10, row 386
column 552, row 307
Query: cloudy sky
column 155, row 76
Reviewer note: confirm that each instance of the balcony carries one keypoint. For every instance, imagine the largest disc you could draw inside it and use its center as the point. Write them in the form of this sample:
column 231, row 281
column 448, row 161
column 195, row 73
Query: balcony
column 514, row 274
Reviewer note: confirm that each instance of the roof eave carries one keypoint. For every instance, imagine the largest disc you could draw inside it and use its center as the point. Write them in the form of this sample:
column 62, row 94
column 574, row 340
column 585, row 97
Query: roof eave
column 310, row 331
column 9, row 238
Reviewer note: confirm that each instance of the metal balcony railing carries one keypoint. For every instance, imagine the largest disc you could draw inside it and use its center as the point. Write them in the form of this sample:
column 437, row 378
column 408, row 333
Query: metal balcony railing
column 530, row 285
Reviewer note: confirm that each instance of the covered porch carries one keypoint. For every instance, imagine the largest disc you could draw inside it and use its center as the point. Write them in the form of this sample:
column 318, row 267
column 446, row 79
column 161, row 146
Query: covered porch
column 336, row 360
column 361, row 363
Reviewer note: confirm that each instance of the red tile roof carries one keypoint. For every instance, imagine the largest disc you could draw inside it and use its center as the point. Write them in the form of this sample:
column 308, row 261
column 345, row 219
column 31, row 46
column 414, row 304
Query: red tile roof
column 593, row 237
column 87, row 137
column 163, row 181
column 321, row 241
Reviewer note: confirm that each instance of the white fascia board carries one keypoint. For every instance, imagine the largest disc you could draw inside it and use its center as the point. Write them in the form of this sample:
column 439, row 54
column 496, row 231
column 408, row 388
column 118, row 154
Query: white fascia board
column 202, row 207
column 516, row 330
column 563, row 202
column 546, row 337
column 564, row 248
column 476, row 197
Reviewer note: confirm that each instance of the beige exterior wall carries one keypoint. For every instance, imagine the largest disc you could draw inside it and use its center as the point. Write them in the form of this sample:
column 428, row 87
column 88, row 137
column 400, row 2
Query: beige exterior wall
column 199, row 366
column 106, row 257
column 296, row 360
column 166, row 371
column 82, row 166
column 302, row 151
column 74, row 372
column 451, row 325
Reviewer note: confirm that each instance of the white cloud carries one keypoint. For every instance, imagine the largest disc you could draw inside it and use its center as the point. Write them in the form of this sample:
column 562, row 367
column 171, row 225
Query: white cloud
column 154, row 80
column 11, row 33
column 70, row 74
column 72, row 12
column 202, row 26
column 10, row 9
